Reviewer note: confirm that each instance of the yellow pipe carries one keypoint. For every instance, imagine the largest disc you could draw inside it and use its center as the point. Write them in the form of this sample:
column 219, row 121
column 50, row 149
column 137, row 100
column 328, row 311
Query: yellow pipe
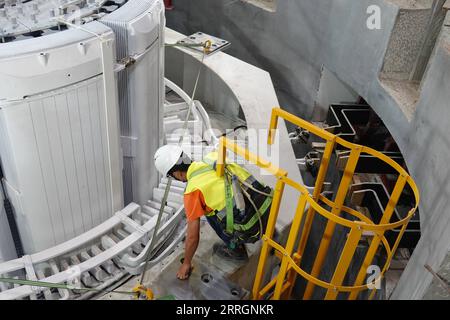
column 401, row 181
column 280, row 113
column 308, row 277
column 344, row 261
column 326, row 158
column 336, row 210
column 279, row 188
column 317, row 191
column 296, row 223
column 220, row 165
column 225, row 144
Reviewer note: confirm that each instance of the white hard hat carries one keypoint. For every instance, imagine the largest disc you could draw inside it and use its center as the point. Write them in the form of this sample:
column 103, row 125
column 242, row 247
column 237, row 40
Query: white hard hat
column 166, row 157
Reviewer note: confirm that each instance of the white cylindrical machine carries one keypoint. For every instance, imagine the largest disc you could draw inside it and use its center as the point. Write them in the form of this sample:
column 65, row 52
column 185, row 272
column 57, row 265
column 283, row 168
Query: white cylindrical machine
column 76, row 134
column 59, row 138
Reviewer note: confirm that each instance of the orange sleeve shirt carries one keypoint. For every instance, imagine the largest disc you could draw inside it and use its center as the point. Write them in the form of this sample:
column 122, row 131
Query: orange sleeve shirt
column 195, row 205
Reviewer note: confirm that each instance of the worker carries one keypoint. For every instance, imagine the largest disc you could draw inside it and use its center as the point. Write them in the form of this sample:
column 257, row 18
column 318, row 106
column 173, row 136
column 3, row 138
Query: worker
column 236, row 205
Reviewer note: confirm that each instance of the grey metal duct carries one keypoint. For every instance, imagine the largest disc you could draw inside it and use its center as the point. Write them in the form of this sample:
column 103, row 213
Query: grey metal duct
column 139, row 27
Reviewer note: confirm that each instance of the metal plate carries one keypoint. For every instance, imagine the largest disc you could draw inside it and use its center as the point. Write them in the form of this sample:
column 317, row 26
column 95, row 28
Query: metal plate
column 205, row 283
column 217, row 44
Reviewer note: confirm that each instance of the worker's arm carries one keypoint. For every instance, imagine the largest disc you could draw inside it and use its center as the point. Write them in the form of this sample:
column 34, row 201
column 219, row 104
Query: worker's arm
column 192, row 239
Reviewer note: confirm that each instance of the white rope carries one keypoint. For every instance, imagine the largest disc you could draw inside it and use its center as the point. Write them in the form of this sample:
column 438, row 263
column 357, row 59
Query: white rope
column 191, row 105
column 169, row 182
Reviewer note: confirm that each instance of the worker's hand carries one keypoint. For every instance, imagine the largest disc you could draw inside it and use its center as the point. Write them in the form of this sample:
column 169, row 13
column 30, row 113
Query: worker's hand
column 185, row 271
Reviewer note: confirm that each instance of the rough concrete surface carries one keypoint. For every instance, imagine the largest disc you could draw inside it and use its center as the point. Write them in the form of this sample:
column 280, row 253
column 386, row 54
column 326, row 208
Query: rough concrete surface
column 412, row 4
column 406, row 93
column 405, row 44
column 440, row 288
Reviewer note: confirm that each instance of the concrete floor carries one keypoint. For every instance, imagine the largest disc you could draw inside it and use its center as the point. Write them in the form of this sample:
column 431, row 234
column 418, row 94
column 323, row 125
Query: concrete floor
column 162, row 277
column 436, row 290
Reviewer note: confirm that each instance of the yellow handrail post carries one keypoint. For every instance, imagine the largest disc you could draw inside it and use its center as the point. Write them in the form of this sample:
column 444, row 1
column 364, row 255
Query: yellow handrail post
column 220, row 166
column 280, row 113
column 344, row 261
column 279, row 188
column 336, row 210
column 290, row 247
column 401, row 181
column 326, row 158
column 225, row 144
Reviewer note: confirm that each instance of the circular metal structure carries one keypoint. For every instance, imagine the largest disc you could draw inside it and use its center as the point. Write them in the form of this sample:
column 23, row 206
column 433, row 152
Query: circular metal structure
column 86, row 125
column 23, row 19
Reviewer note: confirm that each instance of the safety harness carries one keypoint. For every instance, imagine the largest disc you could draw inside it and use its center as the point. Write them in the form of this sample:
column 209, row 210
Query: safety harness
column 231, row 226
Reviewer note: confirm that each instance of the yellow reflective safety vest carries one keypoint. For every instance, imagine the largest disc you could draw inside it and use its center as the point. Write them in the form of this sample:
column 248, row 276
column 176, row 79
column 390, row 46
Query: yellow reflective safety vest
column 201, row 177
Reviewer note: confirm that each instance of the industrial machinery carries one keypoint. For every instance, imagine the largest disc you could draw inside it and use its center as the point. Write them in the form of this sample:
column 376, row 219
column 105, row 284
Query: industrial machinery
column 61, row 145
column 84, row 104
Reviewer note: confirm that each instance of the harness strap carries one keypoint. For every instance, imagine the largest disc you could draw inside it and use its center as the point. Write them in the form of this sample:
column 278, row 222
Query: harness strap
column 228, row 206
column 201, row 171
column 255, row 218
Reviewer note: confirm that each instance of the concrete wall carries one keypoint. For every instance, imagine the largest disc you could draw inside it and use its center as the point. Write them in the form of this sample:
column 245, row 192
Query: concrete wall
column 264, row 39
column 428, row 150
column 303, row 35
column 331, row 90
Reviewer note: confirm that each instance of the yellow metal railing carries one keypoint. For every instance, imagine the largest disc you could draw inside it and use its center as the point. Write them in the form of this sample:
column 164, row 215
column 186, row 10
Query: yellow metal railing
column 281, row 286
